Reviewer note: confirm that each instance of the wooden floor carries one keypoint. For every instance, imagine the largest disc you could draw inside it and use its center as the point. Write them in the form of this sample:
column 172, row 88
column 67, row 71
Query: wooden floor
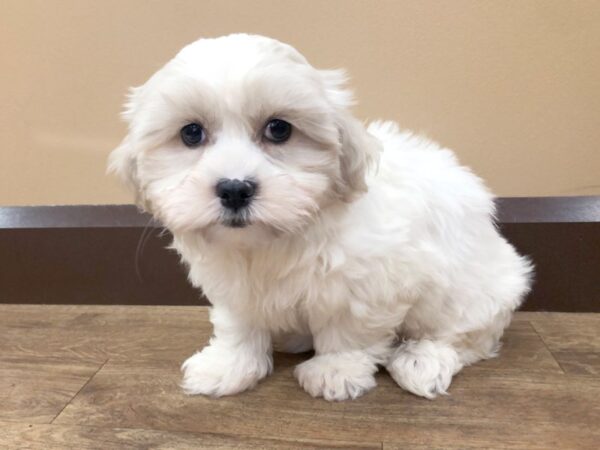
column 107, row 378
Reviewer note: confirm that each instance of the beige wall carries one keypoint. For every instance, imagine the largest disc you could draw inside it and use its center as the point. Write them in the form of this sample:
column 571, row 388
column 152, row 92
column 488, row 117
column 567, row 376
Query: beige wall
column 512, row 86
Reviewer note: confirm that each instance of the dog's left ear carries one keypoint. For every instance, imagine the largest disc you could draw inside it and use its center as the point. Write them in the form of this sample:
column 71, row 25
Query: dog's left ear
column 358, row 149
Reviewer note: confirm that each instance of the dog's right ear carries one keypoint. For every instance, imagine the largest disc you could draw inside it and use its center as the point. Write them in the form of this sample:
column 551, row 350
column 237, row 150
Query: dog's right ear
column 122, row 161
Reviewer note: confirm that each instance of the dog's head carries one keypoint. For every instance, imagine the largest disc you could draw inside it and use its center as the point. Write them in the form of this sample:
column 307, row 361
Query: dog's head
column 240, row 133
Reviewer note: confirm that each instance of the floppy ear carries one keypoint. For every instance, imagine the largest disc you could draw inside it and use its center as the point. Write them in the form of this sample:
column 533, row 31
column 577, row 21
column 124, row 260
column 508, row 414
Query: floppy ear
column 359, row 152
column 358, row 149
column 122, row 161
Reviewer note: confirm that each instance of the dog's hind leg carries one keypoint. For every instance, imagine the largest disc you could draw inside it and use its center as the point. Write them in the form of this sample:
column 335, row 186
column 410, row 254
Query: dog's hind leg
column 425, row 366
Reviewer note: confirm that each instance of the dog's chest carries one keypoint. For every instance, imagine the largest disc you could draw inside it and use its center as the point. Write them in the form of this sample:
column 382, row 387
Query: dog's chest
column 281, row 301
column 300, row 285
column 282, row 294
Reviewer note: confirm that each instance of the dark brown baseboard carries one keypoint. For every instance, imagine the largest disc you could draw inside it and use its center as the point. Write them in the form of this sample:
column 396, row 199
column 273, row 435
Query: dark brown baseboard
column 112, row 254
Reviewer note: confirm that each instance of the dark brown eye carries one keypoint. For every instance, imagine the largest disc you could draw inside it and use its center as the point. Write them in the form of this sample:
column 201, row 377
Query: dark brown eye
column 278, row 131
column 192, row 135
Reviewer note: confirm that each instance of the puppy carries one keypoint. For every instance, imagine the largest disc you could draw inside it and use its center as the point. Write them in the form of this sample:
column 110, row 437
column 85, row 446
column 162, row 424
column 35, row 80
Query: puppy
column 307, row 230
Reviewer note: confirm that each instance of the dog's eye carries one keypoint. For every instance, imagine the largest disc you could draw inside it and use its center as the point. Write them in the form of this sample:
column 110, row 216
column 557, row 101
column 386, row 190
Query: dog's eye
column 192, row 135
column 278, row 131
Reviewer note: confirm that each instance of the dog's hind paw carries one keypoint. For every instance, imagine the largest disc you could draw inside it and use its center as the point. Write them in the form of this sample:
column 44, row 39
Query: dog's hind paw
column 424, row 367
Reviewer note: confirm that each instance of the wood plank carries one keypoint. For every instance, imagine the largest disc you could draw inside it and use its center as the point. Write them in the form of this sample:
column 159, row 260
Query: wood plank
column 579, row 363
column 543, row 410
column 59, row 437
column 96, row 333
column 36, row 391
column 569, row 331
column 522, row 350
column 469, row 442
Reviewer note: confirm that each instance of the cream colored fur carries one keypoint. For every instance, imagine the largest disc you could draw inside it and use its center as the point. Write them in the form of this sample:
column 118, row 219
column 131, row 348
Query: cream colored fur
column 371, row 245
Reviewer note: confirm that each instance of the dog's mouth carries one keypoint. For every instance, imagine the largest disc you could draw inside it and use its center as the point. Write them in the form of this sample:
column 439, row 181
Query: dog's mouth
column 239, row 218
column 235, row 223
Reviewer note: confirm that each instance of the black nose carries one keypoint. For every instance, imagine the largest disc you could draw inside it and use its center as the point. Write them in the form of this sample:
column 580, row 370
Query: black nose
column 235, row 194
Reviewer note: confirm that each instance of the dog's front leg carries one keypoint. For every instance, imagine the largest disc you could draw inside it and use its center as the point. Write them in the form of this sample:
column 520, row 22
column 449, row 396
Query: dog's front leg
column 344, row 364
column 237, row 357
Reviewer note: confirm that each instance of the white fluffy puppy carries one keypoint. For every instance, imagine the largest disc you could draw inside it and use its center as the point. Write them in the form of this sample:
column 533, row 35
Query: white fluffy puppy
column 306, row 230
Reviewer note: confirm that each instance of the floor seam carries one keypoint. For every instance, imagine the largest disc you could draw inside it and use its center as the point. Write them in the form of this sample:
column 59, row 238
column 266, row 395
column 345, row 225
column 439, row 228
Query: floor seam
column 562, row 369
column 79, row 391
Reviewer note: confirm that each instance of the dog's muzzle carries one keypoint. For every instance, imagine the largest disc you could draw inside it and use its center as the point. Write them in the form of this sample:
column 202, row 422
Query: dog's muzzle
column 235, row 197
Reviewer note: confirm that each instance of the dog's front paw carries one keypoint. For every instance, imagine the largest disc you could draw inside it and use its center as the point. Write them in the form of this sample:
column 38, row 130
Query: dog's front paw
column 337, row 376
column 217, row 371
